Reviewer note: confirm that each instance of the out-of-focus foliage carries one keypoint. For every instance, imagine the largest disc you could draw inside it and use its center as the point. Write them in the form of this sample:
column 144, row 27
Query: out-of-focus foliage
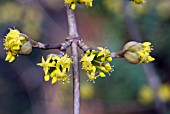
column 29, row 18
column 146, row 94
column 23, row 90
column 87, row 91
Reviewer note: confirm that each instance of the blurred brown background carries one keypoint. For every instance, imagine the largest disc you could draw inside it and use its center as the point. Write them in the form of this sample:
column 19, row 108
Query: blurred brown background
column 131, row 89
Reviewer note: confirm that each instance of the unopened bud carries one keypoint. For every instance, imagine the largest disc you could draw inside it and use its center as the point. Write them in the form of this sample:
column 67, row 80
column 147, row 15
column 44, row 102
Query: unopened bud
column 109, row 59
column 102, row 74
column 103, row 59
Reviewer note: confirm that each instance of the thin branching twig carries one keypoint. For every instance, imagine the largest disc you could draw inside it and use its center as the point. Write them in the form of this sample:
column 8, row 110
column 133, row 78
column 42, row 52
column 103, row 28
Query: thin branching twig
column 73, row 35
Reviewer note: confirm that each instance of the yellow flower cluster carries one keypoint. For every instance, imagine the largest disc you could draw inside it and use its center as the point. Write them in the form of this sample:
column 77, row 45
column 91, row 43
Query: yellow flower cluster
column 13, row 42
column 146, row 94
column 72, row 3
column 96, row 63
column 139, row 1
column 138, row 52
column 144, row 53
column 56, row 68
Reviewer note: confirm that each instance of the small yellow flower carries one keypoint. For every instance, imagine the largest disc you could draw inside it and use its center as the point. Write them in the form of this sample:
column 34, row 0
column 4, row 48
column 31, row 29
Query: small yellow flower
column 10, row 57
column 139, row 1
column 92, row 74
column 87, row 2
column 46, row 64
column 72, row 3
column 144, row 53
column 13, row 42
column 103, row 51
column 147, row 46
column 96, row 63
column 69, row 1
column 56, row 68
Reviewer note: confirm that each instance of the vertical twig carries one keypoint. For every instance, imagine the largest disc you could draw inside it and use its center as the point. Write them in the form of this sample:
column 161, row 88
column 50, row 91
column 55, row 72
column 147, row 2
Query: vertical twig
column 73, row 34
column 133, row 29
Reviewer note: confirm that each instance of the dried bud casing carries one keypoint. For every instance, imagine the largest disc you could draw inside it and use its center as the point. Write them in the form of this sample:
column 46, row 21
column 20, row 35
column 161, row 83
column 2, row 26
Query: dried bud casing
column 135, row 48
column 132, row 57
column 26, row 48
column 129, row 44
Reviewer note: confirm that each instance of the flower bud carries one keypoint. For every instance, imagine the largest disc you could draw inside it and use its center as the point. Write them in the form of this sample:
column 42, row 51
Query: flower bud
column 103, row 59
column 132, row 57
column 109, row 59
column 26, row 48
column 46, row 77
column 101, row 74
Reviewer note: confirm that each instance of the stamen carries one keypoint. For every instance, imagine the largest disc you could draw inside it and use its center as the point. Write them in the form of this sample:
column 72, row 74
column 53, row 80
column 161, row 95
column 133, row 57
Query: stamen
column 109, row 73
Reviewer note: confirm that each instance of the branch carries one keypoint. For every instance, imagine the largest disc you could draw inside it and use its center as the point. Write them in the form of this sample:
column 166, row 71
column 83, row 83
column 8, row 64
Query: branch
column 74, row 37
column 47, row 46
column 119, row 54
column 83, row 46
column 72, row 23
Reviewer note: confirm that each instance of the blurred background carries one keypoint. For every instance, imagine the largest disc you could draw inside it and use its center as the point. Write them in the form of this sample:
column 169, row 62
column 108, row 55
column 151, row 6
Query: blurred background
column 131, row 89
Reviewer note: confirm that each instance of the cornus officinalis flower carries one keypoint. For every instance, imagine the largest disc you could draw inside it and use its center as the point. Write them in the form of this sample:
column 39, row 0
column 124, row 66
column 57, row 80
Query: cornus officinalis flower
column 56, row 68
column 96, row 63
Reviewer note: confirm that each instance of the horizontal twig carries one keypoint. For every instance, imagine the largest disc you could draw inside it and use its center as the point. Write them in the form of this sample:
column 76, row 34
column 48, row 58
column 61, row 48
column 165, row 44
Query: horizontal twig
column 83, row 46
column 119, row 54
column 47, row 46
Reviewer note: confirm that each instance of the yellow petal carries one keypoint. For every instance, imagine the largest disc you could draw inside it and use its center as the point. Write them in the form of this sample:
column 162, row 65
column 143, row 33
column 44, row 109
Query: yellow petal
column 40, row 64
column 54, row 80
column 48, row 59
column 8, row 57
column 45, row 70
column 43, row 61
column 15, row 48
column 12, row 59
